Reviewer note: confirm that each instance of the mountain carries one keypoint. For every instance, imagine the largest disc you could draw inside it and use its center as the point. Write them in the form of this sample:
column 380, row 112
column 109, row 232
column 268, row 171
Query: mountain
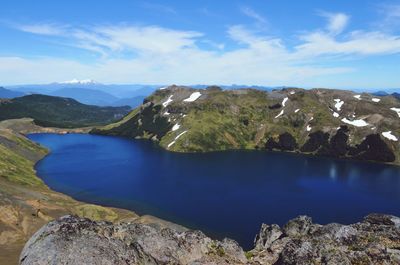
column 91, row 92
column 396, row 95
column 6, row 93
column 119, row 91
column 380, row 93
column 59, row 112
column 132, row 102
column 87, row 96
column 334, row 123
column 80, row 82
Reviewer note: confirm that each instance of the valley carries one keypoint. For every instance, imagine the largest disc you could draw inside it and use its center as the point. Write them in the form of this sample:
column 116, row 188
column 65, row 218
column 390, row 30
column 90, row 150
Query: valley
column 190, row 125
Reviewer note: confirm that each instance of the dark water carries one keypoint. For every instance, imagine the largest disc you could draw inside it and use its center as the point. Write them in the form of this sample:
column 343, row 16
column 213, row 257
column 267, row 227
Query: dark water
column 225, row 193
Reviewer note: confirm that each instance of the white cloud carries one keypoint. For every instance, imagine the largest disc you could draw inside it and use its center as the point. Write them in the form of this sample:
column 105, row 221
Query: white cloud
column 337, row 22
column 391, row 17
column 355, row 43
column 142, row 39
column 253, row 14
column 42, row 29
column 153, row 54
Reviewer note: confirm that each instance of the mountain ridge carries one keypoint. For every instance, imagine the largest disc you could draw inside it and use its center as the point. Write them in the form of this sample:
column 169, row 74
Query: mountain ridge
column 328, row 122
column 61, row 112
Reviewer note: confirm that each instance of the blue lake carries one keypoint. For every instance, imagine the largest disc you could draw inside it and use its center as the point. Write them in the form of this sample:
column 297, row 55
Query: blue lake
column 224, row 194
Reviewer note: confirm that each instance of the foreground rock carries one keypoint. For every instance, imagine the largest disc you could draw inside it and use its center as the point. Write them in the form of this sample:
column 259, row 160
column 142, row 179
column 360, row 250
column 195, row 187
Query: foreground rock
column 73, row 240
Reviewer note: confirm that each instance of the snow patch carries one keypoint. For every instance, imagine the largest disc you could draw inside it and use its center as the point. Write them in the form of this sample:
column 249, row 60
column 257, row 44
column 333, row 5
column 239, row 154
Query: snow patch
column 292, row 92
column 339, row 104
column 357, row 123
column 397, row 110
column 280, row 114
column 167, row 113
column 162, row 88
column 169, row 100
column 176, row 138
column 308, row 128
column 376, row 99
column 296, row 110
column 390, row 136
column 357, row 97
column 79, row 82
column 284, row 101
column 193, row 97
column 335, row 114
column 175, row 127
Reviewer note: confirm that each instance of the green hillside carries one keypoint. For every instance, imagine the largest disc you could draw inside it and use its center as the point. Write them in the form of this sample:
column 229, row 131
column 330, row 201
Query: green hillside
column 59, row 112
column 319, row 121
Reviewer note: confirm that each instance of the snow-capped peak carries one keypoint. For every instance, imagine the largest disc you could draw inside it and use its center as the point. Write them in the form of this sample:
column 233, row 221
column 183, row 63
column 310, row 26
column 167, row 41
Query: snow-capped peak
column 79, row 82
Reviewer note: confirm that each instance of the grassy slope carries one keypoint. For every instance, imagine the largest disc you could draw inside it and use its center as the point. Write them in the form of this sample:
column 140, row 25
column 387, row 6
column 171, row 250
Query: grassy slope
column 18, row 169
column 59, row 112
column 26, row 203
column 244, row 119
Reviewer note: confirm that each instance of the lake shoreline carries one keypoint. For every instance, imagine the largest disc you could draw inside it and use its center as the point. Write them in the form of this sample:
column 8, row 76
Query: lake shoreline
column 163, row 158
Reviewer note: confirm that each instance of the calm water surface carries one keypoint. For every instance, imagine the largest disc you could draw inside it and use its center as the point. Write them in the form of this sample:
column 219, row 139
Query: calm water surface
column 225, row 194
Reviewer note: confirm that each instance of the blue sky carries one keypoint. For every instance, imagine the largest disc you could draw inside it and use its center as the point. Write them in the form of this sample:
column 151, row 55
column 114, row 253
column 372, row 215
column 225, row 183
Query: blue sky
column 337, row 44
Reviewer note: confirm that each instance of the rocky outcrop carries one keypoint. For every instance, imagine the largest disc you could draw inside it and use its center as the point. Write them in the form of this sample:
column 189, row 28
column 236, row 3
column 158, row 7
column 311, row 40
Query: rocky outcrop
column 372, row 148
column 148, row 123
column 72, row 240
column 286, row 142
column 375, row 240
column 316, row 142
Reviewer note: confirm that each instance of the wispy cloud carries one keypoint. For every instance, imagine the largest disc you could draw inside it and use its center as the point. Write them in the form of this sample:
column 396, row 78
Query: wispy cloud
column 42, row 29
column 159, row 8
column 391, row 16
column 337, row 22
column 164, row 55
column 253, row 14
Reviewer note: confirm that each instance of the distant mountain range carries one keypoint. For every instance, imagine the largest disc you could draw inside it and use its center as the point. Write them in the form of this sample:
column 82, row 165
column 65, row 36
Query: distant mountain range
column 6, row 93
column 90, row 92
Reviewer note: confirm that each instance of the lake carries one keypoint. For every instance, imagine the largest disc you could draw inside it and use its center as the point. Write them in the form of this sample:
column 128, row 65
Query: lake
column 224, row 194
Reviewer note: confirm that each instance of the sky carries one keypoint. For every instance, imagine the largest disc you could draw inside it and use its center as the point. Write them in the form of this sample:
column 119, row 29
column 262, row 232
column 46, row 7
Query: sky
column 309, row 43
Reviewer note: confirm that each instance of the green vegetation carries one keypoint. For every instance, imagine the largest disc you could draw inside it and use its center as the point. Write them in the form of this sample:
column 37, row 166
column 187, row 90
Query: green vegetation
column 17, row 169
column 17, row 158
column 59, row 112
column 26, row 203
column 251, row 119
column 96, row 212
